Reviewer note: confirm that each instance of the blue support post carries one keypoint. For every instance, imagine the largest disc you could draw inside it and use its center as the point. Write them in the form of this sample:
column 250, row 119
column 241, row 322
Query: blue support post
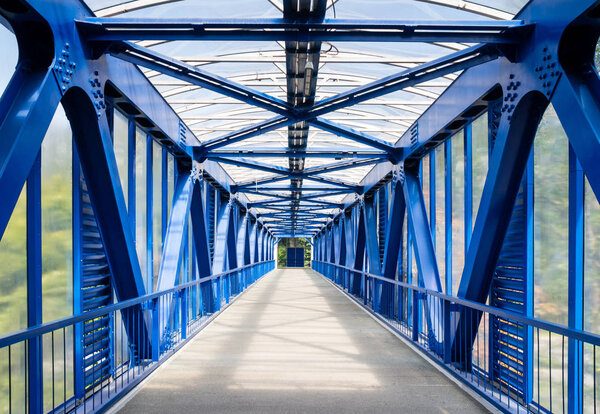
column 176, row 231
column 95, row 149
column 183, row 300
column 35, row 382
column 220, row 263
column 155, row 330
column 415, row 316
column 359, row 253
column 576, row 279
column 232, row 262
column 468, row 156
column 372, row 247
column 507, row 165
column 201, row 244
column 448, row 215
column 424, row 250
column 393, row 237
column 130, row 196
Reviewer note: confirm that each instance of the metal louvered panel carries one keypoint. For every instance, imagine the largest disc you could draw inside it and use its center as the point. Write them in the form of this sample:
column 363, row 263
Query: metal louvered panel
column 382, row 211
column 210, row 211
column 509, row 292
column 96, row 292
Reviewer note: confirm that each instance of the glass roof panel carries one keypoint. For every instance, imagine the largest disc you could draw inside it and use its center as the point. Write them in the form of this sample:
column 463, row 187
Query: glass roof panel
column 263, row 67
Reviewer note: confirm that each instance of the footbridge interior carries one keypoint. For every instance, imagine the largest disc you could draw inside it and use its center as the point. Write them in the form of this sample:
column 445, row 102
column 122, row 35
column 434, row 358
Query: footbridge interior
column 426, row 171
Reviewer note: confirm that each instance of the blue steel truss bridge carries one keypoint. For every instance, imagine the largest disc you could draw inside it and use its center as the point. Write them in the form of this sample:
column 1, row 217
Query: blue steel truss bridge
column 441, row 157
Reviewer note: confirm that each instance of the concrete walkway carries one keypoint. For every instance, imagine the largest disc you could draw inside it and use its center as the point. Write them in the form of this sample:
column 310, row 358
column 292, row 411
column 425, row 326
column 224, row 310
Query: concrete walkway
column 295, row 344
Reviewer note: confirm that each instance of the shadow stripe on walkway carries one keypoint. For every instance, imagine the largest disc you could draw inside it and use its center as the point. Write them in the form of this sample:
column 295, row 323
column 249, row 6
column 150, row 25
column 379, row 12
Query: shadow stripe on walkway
column 294, row 344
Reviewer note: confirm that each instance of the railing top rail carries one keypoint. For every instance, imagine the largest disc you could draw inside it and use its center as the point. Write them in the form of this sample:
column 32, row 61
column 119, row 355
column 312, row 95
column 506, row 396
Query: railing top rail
column 548, row 326
column 28, row 333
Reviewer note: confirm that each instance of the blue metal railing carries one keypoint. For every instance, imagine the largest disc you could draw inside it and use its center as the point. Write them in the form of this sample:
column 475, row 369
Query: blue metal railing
column 430, row 319
column 146, row 331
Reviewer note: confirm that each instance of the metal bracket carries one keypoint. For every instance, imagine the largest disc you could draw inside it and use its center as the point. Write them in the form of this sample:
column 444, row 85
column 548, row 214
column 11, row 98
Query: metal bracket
column 398, row 174
column 197, row 172
column 64, row 68
column 548, row 73
column 508, row 107
column 96, row 91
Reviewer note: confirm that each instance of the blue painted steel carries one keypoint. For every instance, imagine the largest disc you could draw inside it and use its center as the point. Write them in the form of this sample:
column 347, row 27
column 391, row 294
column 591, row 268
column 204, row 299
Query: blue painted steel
column 575, row 393
column 27, row 109
column 393, row 239
column 468, row 152
column 491, row 391
column 548, row 56
column 139, row 55
column 176, row 232
column 508, row 291
column 35, row 360
column 295, row 257
column 201, row 244
column 94, row 291
column 292, row 153
column 448, row 217
column 467, row 31
column 354, row 135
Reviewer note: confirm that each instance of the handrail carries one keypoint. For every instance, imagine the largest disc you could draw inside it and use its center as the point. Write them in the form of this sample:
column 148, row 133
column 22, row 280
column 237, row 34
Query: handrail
column 549, row 326
column 28, row 333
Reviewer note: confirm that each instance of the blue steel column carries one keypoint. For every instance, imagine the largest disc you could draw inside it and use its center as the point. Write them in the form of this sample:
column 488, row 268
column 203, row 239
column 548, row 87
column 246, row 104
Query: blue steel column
column 359, row 251
column 260, row 244
column 232, row 262
column 448, row 215
column 468, row 158
column 35, row 359
column 333, row 246
column 372, row 247
column 393, row 237
column 243, row 248
column 220, row 256
column 350, row 247
column 176, row 231
column 252, row 240
column 337, row 252
column 576, row 280
column 507, row 165
column 200, row 235
column 423, row 246
column 95, row 149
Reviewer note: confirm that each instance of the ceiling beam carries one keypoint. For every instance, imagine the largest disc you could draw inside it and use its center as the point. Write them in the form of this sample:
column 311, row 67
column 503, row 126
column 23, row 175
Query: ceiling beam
column 338, row 30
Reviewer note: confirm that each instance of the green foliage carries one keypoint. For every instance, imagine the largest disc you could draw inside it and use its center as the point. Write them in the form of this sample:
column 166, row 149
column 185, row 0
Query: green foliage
column 550, row 222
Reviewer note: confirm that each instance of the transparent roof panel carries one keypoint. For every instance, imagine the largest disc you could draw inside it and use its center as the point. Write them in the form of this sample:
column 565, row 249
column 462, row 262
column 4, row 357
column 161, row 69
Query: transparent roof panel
column 277, row 69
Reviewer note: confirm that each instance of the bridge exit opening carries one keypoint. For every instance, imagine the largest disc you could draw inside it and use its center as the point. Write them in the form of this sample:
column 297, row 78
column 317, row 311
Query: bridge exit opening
column 293, row 252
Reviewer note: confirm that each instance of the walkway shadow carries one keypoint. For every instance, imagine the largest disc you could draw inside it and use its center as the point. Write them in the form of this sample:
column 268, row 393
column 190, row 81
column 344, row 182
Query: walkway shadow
column 293, row 343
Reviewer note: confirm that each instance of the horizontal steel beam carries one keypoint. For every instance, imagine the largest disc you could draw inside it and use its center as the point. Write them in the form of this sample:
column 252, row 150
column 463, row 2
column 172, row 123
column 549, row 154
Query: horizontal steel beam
column 339, row 30
column 312, row 203
column 293, row 153
column 297, row 191
column 293, row 188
